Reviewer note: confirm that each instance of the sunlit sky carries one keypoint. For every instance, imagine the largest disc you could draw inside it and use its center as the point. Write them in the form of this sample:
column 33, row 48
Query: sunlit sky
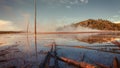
column 53, row 13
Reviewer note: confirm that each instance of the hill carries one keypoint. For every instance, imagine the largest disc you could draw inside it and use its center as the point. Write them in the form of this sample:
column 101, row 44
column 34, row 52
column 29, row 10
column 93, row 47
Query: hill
column 98, row 24
column 118, row 24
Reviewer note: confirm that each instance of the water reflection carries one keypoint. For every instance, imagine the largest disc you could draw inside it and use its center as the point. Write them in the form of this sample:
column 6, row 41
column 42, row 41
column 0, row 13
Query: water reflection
column 93, row 37
column 35, row 37
column 27, row 50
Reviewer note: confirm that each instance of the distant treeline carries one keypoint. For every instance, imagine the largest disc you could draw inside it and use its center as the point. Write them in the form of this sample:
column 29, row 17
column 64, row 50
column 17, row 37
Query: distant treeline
column 10, row 32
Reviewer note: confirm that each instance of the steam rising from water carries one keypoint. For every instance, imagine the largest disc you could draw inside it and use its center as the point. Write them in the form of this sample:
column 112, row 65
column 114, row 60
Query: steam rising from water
column 52, row 27
column 77, row 29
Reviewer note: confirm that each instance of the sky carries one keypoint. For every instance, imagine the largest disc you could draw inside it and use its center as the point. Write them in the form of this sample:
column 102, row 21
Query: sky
column 15, row 14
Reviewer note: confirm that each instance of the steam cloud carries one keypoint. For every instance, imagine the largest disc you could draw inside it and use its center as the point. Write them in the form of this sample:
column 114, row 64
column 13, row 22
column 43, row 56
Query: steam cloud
column 55, row 28
column 76, row 29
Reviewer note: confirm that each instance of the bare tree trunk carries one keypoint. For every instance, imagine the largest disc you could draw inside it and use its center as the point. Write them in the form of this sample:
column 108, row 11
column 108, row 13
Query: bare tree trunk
column 35, row 29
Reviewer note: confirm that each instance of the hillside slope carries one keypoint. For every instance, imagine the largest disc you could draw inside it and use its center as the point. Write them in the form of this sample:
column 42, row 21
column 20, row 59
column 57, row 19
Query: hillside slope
column 98, row 24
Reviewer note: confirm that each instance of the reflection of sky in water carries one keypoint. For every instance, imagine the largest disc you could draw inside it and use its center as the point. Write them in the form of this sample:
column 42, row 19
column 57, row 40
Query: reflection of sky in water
column 65, row 48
